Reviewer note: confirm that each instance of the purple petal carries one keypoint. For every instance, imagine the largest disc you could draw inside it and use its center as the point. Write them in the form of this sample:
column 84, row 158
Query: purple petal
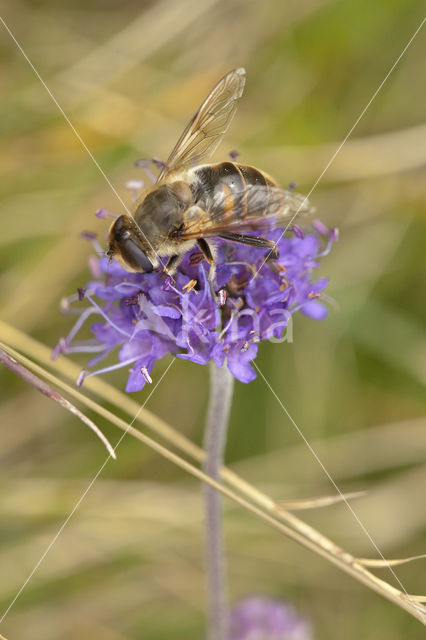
column 238, row 362
column 138, row 375
column 145, row 316
column 263, row 618
column 168, row 312
column 314, row 310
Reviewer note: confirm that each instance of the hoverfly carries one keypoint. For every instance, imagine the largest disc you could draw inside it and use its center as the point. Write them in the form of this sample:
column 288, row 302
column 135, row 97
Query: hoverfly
column 193, row 202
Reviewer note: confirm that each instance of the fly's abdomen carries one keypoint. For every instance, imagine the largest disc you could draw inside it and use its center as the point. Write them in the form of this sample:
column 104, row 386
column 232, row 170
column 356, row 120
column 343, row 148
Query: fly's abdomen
column 234, row 191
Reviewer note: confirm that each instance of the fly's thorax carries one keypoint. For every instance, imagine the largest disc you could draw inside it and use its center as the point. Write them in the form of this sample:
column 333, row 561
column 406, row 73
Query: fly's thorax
column 160, row 213
column 162, row 204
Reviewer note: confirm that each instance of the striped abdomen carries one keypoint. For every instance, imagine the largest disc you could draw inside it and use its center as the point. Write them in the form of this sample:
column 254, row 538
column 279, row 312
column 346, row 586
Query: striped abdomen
column 234, row 191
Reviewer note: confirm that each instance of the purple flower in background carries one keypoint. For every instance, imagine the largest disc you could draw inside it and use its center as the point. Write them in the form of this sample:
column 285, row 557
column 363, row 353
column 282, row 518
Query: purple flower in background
column 143, row 317
column 260, row 618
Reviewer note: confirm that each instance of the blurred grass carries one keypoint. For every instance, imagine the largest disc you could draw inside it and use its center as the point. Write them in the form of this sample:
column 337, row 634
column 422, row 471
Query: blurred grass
column 128, row 76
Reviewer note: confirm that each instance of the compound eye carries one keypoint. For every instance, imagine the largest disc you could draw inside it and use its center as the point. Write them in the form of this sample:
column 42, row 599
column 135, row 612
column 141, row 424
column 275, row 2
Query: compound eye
column 134, row 256
column 119, row 229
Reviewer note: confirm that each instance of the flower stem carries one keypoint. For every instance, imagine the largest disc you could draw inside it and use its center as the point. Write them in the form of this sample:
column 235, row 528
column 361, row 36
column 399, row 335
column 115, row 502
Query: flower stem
column 221, row 387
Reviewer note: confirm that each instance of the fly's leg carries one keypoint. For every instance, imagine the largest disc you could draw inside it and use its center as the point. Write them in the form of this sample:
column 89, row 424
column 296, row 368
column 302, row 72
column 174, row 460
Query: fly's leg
column 205, row 250
column 172, row 264
column 174, row 261
column 254, row 241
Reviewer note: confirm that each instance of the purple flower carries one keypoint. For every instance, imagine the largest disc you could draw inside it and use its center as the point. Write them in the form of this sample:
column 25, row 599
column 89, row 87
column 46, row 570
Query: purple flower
column 142, row 317
column 260, row 618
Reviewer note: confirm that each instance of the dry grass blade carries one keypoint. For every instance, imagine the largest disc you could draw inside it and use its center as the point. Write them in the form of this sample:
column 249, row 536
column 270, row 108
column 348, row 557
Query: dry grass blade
column 323, row 501
column 100, row 387
column 39, row 384
column 242, row 493
column 415, row 598
column 126, row 49
column 375, row 155
column 367, row 562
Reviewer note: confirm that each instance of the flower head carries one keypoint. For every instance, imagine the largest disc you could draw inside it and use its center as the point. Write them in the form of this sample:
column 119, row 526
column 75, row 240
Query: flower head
column 261, row 618
column 146, row 316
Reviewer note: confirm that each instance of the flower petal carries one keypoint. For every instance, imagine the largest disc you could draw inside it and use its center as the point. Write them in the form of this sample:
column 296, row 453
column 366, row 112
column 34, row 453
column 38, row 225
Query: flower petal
column 147, row 317
column 314, row 310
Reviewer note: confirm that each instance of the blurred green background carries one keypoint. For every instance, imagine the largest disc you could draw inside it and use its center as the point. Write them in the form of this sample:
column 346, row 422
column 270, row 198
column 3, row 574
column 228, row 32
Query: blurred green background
column 129, row 74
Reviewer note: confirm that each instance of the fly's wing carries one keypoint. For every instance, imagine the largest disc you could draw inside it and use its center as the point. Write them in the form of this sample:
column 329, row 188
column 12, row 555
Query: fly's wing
column 208, row 126
column 257, row 208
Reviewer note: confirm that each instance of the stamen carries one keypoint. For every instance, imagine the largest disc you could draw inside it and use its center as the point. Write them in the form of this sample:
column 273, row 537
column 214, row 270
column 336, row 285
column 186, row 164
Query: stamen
column 189, row 346
column 107, row 318
column 234, row 155
column 145, row 164
column 94, row 267
column 144, row 372
column 64, row 342
column 58, row 349
column 158, row 163
column 333, row 237
column 101, row 356
column 189, row 286
column 81, row 378
column 297, row 231
column 168, row 284
column 104, row 213
column 255, row 336
column 320, row 227
column 65, row 305
column 135, row 187
column 196, row 258
column 84, row 374
column 222, row 297
column 81, row 291
column 81, row 347
column 88, row 235
column 234, row 313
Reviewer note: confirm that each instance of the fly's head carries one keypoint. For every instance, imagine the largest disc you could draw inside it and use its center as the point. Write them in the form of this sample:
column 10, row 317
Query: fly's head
column 128, row 245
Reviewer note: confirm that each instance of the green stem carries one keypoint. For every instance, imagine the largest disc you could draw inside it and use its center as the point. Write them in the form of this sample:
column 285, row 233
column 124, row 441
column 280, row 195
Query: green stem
column 221, row 388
